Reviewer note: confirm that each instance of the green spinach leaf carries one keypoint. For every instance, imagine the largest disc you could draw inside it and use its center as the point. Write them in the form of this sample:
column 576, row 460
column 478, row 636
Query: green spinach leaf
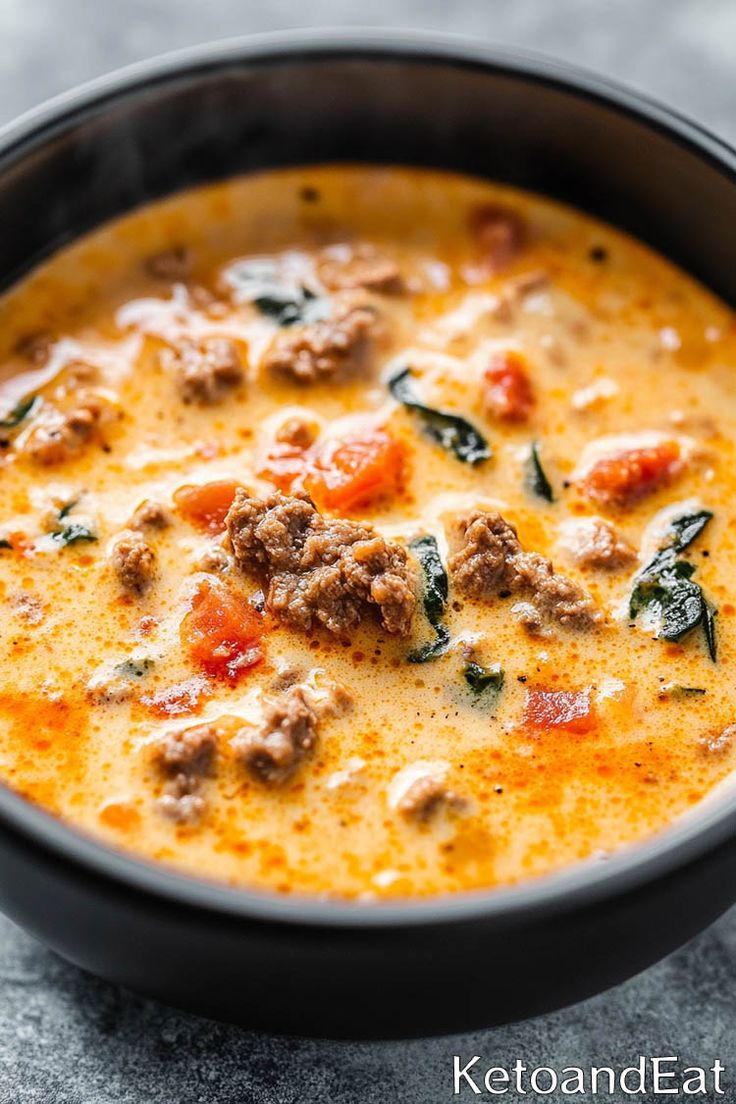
column 434, row 648
column 435, row 582
column 20, row 412
column 483, row 679
column 451, row 431
column 259, row 282
column 435, row 591
column 666, row 589
column 535, row 477
column 65, row 511
column 687, row 528
column 73, row 533
column 675, row 690
column 682, row 604
column 709, row 628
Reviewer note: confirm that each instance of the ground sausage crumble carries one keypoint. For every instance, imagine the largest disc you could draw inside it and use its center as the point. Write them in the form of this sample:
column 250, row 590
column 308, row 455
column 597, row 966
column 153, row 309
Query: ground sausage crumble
column 61, row 435
column 185, row 759
column 331, row 348
column 206, row 370
column 488, row 560
column 596, row 543
column 321, row 571
column 273, row 751
column 361, row 269
column 133, row 561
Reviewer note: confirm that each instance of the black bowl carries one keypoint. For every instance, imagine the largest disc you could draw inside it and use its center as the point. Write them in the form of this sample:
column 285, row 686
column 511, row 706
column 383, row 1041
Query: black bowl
column 330, row 968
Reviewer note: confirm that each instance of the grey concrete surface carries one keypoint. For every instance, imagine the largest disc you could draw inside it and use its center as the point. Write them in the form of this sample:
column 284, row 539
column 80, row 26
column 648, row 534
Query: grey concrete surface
column 66, row 1038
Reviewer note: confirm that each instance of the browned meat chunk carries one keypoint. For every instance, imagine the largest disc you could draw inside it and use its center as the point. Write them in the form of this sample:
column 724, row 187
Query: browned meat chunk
column 206, row 370
column 362, row 270
column 59, row 436
column 425, row 797
column 173, row 265
column 500, row 234
column 150, row 515
column 133, row 561
column 594, row 542
column 329, row 349
column 552, row 594
column 185, row 759
column 180, row 803
column 191, row 751
column 321, row 571
column 329, row 698
column 274, row 750
column 489, row 560
column 486, row 545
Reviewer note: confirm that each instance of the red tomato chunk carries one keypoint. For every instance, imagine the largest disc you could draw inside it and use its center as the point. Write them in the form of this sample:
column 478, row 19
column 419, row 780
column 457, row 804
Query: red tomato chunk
column 355, row 470
column 222, row 631
column 284, row 466
column 206, row 506
column 568, row 710
column 342, row 473
column 508, row 392
column 631, row 475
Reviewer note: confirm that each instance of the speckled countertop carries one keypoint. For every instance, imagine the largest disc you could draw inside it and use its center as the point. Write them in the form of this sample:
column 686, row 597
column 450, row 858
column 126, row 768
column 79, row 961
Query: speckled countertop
column 66, row 1038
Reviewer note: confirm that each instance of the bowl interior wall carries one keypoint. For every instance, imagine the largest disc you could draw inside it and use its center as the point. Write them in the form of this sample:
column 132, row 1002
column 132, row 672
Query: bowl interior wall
column 210, row 122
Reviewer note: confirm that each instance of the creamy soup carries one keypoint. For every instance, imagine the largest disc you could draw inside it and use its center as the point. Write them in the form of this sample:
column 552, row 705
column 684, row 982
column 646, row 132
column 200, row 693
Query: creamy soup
column 366, row 532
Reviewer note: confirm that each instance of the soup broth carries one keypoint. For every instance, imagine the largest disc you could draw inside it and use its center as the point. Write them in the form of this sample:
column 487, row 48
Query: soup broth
column 366, row 532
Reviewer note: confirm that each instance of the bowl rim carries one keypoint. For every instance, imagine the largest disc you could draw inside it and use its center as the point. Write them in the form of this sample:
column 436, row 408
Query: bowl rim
column 578, row 886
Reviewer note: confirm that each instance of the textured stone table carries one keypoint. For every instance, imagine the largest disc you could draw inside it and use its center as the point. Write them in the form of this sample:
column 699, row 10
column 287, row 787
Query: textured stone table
column 68, row 1039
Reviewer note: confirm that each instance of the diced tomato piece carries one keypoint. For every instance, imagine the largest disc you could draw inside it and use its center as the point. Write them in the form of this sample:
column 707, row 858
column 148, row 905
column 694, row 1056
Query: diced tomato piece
column 284, row 466
column 341, row 473
column 567, row 710
column 222, row 631
column 508, row 391
column 353, row 471
column 18, row 542
column 206, row 505
column 633, row 474
column 179, row 699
